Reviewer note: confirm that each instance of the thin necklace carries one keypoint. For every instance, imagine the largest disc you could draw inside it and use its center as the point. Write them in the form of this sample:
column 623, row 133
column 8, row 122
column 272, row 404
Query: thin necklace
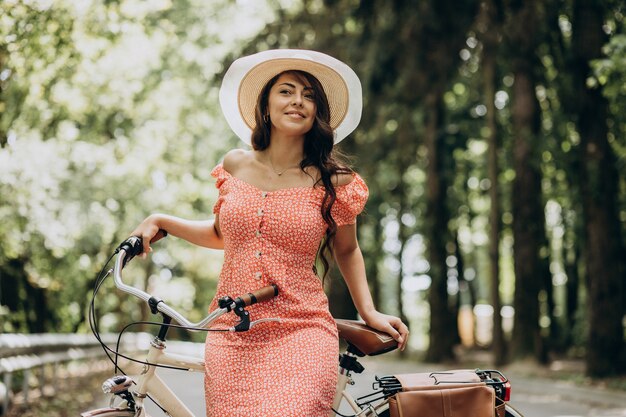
column 277, row 172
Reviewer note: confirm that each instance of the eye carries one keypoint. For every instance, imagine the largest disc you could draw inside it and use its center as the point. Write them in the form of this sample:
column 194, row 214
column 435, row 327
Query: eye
column 284, row 91
column 310, row 97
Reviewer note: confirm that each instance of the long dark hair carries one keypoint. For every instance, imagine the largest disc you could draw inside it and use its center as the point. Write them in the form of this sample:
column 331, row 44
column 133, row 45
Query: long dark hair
column 318, row 150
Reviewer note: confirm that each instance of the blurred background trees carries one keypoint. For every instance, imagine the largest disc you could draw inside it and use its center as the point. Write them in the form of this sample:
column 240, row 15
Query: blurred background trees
column 492, row 141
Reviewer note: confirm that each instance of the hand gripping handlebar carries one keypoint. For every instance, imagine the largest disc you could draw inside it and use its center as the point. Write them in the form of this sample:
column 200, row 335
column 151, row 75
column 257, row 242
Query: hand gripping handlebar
column 133, row 246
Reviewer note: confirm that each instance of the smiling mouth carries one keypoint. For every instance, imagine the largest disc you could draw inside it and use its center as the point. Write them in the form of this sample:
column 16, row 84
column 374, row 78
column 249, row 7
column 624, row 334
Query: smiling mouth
column 295, row 113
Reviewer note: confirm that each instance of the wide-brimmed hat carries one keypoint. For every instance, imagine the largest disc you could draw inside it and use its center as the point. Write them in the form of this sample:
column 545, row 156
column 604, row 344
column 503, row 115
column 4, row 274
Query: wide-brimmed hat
column 247, row 76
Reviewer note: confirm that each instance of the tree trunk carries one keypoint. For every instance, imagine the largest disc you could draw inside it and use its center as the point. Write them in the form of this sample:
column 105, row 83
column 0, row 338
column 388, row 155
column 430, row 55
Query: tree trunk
column 12, row 280
column 572, row 286
column 528, row 215
column 528, row 220
column 603, row 245
column 441, row 318
column 459, row 268
column 371, row 264
column 406, row 146
column 490, row 43
column 340, row 302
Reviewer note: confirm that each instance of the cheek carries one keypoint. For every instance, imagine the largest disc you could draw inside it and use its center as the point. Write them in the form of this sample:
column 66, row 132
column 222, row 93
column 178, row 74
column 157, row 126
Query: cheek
column 313, row 110
column 274, row 101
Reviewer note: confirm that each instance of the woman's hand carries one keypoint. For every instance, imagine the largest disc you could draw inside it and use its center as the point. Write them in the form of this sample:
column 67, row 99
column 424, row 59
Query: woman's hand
column 146, row 230
column 391, row 325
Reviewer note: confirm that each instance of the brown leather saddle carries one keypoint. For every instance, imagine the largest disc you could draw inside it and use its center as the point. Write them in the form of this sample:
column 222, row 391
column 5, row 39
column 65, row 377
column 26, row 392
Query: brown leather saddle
column 363, row 339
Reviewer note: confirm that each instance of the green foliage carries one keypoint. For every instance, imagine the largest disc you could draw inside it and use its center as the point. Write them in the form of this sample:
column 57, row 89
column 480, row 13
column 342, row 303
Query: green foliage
column 610, row 72
column 109, row 113
column 610, row 75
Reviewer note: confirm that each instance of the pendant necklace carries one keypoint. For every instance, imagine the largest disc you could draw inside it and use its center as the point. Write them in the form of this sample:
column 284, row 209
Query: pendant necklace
column 280, row 173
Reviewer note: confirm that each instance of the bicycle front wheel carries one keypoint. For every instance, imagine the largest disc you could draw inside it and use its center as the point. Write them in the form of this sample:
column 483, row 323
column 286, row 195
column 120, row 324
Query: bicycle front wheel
column 511, row 412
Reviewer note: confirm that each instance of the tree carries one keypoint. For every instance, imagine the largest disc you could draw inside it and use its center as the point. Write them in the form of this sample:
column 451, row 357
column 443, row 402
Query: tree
column 604, row 249
column 491, row 34
column 523, row 32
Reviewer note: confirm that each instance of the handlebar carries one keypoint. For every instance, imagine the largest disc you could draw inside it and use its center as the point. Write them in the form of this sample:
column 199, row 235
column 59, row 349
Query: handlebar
column 260, row 295
column 133, row 246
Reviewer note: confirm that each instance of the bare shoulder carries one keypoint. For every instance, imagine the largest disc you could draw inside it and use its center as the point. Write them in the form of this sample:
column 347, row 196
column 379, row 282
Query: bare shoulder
column 236, row 158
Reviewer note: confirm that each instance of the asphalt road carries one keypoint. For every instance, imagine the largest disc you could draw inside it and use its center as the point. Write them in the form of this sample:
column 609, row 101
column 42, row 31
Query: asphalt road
column 532, row 397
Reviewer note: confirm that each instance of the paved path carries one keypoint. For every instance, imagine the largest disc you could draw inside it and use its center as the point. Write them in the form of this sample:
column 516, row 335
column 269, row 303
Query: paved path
column 533, row 397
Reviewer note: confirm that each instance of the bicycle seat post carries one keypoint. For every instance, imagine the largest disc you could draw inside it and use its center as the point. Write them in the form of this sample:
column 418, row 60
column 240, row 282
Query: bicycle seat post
column 348, row 362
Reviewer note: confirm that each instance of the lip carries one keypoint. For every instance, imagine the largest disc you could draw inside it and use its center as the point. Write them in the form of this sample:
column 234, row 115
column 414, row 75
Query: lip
column 295, row 113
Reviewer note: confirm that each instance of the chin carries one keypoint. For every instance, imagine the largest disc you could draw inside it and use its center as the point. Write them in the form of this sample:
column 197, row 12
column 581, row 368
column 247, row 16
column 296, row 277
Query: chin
column 294, row 132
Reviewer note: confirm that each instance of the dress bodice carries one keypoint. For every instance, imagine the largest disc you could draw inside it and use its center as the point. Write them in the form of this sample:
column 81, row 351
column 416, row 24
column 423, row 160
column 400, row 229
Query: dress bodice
column 272, row 237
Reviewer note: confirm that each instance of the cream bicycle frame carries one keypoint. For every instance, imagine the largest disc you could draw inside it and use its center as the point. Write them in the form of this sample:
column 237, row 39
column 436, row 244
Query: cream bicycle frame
column 343, row 379
column 148, row 382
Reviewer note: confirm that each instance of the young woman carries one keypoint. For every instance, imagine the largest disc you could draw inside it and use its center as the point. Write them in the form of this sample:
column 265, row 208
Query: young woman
column 282, row 205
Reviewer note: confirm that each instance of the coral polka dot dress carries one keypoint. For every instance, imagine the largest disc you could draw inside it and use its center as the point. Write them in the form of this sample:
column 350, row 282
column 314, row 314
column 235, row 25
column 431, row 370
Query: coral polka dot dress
column 289, row 368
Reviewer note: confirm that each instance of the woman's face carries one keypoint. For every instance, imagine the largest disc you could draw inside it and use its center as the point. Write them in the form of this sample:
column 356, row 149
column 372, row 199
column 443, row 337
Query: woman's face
column 291, row 106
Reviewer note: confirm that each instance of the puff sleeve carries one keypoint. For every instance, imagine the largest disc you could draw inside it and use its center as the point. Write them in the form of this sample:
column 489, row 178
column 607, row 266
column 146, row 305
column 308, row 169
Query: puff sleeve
column 221, row 175
column 351, row 199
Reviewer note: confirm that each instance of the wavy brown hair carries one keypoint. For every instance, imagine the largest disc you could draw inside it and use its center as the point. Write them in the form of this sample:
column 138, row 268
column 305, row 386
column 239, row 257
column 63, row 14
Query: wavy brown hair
column 318, row 150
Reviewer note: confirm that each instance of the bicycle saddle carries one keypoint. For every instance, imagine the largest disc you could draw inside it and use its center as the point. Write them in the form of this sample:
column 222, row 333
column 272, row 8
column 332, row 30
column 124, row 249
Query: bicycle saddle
column 364, row 339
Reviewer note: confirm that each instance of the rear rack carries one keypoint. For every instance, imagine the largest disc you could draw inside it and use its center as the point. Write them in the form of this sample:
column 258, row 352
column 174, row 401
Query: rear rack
column 497, row 380
column 386, row 386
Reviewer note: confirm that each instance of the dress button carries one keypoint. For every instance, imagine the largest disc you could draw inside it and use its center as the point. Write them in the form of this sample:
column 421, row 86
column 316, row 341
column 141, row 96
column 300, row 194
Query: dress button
column 264, row 194
column 258, row 275
column 258, row 233
column 259, row 212
column 257, row 254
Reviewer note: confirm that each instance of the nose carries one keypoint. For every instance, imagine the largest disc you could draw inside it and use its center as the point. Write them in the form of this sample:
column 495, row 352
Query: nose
column 297, row 99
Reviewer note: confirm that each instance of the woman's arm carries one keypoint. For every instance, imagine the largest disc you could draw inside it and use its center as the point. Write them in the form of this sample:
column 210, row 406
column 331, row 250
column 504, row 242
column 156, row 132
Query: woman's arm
column 350, row 261
column 200, row 232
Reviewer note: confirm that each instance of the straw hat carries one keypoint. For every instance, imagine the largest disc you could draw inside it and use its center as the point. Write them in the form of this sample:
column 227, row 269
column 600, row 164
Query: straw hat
column 247, row 76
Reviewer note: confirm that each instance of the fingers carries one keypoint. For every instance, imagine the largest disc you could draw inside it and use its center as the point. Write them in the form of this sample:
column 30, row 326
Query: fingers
column 146, row 246
column 399, row 331
column 404, row 331
column 391, row 325
column 390, row 330
column 146, row 234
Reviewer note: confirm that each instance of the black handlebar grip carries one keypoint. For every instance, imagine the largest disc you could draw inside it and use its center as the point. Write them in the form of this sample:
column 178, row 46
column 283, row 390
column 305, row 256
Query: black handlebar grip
column 133, row 246
column 262, row 294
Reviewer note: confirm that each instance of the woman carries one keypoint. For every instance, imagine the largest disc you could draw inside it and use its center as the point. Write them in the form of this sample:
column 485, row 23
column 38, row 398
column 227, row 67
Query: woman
column 280, row 205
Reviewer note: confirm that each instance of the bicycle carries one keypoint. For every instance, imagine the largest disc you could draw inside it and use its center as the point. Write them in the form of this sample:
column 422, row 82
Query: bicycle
column 361, row 341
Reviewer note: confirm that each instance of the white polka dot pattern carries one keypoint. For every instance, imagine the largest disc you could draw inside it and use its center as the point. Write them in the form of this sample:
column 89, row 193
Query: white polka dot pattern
column 287, row 368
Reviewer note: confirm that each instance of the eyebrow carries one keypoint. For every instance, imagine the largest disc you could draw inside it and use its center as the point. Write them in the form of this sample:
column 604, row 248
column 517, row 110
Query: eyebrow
column 293, row 86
